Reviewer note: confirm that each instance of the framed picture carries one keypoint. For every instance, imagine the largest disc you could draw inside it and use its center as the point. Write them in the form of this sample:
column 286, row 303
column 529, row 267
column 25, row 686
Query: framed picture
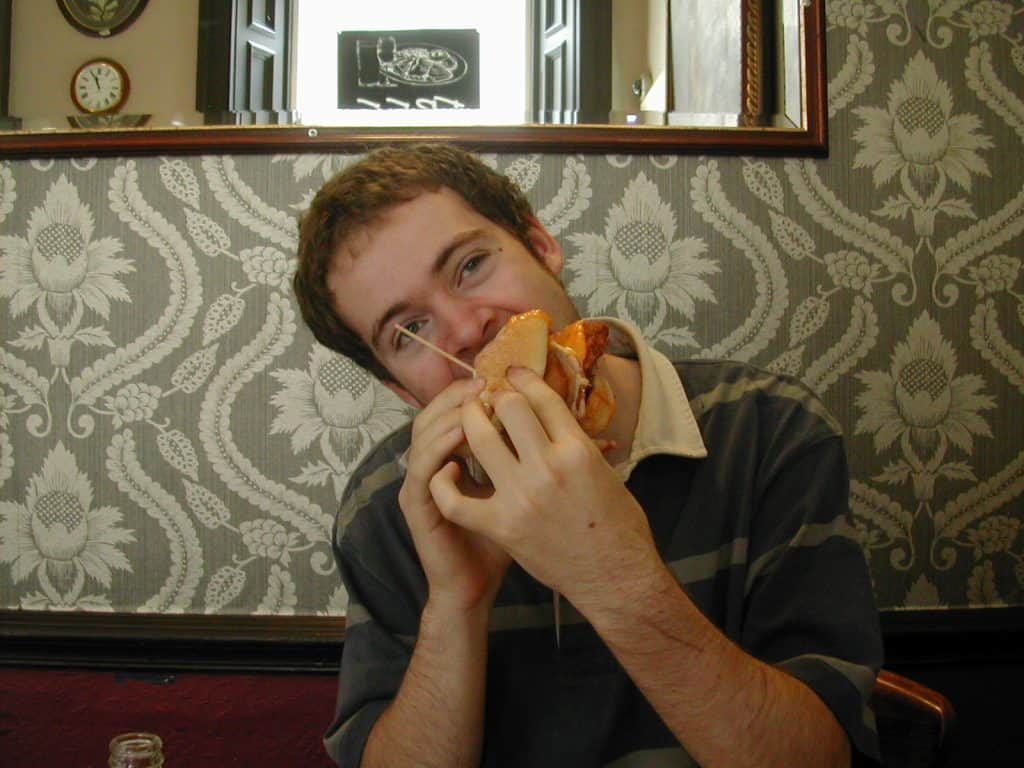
column 409, row 69
column 101, row 18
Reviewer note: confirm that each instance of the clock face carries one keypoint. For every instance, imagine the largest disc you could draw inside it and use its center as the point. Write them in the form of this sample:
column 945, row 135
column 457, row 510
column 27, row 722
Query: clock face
column 99, row 86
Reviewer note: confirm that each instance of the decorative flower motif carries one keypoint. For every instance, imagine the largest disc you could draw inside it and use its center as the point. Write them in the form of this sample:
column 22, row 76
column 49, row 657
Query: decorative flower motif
column 920, row 399
column 918, row 136
column 996, row 273
column 133, row 402
column 58, row 534
column 268, row 266
column 338, row 403
column 638, row 266
column 305, row 165
column 6, row 449
column 223, row 587
column 988, row 18
column 982, row 586
column 268, row 538
column 866, row 536
column 337, row 602
column 524, row 172
column 6, row 406
column 58, row 264
column 852, row 14
column 6, row 459
column 281, row 597
column 850, row 269
column 923, row 593
column 994, row 534
column 1017, row 57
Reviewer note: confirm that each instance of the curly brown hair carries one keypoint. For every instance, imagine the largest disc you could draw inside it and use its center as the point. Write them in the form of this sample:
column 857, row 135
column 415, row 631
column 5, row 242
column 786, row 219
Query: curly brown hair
column 358, row 195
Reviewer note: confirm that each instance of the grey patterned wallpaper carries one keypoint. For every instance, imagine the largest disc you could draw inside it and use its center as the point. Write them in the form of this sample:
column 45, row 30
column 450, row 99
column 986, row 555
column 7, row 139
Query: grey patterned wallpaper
column 171, row 439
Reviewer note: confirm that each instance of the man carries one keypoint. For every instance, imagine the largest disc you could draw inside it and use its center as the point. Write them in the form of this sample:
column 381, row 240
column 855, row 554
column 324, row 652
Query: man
column 716, row 610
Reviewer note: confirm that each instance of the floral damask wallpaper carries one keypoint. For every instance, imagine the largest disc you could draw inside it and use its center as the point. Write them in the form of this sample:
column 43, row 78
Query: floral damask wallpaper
column 172, row 440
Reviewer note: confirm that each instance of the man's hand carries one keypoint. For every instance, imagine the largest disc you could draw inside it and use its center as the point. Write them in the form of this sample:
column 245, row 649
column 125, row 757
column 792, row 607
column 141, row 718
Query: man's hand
column 564, row 515
column 558, row 508
column 463, row 569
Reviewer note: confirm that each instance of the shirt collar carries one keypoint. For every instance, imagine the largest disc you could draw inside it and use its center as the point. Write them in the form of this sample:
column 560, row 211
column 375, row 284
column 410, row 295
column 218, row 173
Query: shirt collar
column 665, row 423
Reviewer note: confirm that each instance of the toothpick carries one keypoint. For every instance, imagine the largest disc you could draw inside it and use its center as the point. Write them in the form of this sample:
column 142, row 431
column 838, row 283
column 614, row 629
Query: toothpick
column 437, row 349
column 557, row 598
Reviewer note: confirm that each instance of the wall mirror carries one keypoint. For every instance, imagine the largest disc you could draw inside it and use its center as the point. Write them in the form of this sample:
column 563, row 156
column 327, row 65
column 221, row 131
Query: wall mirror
column 617, row 76
column 227, row 89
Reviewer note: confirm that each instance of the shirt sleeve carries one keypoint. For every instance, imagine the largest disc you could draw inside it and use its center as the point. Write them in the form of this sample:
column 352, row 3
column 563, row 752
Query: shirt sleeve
column 386, row 589
column 373, row 661
column 810, row 604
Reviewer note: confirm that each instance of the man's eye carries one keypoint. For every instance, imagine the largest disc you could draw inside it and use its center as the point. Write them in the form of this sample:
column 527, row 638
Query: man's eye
column 470, row 265
column 413, row 326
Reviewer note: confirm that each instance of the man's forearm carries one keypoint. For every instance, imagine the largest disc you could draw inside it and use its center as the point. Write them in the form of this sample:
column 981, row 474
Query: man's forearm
column 726, row 707
column 436, row 718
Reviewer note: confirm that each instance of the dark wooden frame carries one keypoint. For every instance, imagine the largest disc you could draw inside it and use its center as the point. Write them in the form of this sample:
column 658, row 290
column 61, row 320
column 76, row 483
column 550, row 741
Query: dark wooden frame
column 94, row 640
column 913, row 639
column 6, row 12
column 810, row 140
column 83, row 26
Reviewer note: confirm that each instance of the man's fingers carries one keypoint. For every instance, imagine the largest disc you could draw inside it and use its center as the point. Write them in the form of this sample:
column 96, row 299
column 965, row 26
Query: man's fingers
column 443, row 410
column 521, row 423
column 437, row 430
column 414, row 497
column 431, row 449
column 464, row 511
column 458, row 392
column 485, row 441
column 552, row 412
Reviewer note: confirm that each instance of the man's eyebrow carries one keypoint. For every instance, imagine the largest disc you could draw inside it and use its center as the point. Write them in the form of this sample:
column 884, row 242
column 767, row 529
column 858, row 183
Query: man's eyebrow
column 445, row 254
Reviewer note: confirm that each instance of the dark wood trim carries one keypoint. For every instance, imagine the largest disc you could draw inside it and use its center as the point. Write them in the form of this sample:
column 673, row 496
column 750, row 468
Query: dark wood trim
column 532, row 138
column 816, row 77
column 171, row 626
column 313, row 643
column 812, row 140
column 171, row 641
column 8, row 122
column 938, row 636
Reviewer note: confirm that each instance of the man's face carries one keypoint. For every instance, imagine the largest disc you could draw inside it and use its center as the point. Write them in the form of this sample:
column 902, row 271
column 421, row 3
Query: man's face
column 443, row 271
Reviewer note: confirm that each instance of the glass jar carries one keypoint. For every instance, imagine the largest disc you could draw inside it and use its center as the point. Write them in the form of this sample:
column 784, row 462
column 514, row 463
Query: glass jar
column 136, row 750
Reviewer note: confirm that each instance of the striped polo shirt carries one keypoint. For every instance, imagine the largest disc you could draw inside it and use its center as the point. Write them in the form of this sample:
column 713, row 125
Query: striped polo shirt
column 742, row 474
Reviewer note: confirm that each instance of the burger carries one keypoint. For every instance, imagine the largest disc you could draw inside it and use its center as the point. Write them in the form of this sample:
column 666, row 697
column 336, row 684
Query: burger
column 566, row 359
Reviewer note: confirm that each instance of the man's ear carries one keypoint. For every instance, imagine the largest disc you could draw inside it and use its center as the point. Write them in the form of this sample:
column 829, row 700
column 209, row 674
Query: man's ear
column 403, row 393
column 546, row 246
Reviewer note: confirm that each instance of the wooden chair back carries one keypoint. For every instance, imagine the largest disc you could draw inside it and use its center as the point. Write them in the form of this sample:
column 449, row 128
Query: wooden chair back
column 915, row 723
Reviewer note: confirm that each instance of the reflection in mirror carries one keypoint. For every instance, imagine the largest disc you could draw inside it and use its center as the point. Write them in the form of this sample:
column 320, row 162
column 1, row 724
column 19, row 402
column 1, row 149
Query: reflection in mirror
column 697, row 65
column 726, row 71
column 653, row 62
column 500, row 66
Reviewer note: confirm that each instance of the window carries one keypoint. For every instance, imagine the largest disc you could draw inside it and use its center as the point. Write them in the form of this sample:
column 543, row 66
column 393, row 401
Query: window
column 504, row 50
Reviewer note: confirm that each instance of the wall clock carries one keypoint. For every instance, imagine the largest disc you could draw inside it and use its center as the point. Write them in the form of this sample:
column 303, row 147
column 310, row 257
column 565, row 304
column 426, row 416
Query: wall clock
column 99, row 86
column 101, row 18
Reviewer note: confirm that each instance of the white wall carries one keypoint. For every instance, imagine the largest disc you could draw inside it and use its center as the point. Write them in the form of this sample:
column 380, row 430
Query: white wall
column 158, row 51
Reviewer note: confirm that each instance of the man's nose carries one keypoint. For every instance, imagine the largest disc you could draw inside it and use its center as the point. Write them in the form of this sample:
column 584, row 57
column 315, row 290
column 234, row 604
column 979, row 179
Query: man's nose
column 469, row 329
